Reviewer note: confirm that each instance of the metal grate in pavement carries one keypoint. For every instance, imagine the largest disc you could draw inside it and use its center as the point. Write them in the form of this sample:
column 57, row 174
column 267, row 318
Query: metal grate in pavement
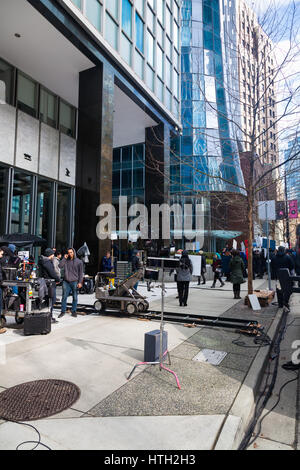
column 39, row 399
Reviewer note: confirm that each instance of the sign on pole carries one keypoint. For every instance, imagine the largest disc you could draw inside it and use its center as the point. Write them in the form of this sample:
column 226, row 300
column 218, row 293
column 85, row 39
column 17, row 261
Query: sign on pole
column 196, row 262
column 267, row 210
column 293, row 209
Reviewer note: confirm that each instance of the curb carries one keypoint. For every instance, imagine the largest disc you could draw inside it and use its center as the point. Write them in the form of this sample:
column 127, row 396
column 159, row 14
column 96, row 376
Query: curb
column 242, row 410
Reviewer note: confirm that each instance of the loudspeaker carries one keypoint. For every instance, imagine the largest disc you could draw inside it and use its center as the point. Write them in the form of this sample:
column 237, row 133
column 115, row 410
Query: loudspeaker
column 152, row 345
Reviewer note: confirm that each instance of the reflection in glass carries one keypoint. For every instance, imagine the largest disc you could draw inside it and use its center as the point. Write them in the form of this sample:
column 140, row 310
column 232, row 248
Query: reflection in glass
column 44, row 209
column 126, row 17
column 93, row 13
column 48, row 108
column 3, row 198
column 6, row 82
column 63, row 216
column 21, row 203
column 67, row 119
column 27, row 95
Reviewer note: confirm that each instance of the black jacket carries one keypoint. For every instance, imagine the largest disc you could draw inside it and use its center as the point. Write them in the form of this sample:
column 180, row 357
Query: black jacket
column 282, row 260
column 2, row 262
column 136, row 264
column 47, row 270
column 297, row 264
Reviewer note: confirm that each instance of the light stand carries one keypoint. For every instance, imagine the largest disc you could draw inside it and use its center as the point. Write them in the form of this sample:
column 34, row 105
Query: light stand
column 162, row 354
column 268, row 250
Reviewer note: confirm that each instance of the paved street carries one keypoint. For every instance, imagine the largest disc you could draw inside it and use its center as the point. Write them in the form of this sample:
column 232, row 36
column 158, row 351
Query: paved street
column 98, row 352
column 280, row 428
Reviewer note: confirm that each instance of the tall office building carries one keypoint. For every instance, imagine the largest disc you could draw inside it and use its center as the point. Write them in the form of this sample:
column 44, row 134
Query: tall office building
column 78, row 79
column 257, row 75
column 292, row 158
column 205, row 159
column 228, row 95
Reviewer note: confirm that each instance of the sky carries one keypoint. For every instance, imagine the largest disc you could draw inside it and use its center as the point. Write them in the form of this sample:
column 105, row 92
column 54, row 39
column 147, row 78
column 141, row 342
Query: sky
column 289, row 78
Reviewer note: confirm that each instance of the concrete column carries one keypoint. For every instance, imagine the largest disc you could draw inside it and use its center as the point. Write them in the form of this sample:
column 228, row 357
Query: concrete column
column 94, row 156
column 157, row 178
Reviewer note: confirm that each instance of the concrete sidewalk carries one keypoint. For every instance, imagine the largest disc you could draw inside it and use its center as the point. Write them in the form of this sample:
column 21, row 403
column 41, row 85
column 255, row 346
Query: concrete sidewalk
column 280, row 427
column 148, row 412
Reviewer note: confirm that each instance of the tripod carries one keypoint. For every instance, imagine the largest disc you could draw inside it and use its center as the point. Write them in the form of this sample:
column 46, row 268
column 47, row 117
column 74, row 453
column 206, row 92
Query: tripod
column 162, row 354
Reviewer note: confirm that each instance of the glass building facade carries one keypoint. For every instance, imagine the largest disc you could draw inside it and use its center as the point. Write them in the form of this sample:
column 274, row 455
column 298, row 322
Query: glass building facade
column 292, row 169
column 207, row 148
column 129, row 173
column 29, row 202
column 146, row 36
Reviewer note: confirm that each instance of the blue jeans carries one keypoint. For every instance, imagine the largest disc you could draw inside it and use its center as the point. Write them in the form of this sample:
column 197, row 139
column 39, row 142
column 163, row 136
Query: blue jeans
column 0, row 301
column 68, row 289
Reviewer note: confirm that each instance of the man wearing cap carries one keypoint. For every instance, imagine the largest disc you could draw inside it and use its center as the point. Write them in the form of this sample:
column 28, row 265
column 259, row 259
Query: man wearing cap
column 47, row 271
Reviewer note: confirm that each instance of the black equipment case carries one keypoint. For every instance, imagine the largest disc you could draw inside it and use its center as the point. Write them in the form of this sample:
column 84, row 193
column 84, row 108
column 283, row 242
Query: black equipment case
column 37, row 324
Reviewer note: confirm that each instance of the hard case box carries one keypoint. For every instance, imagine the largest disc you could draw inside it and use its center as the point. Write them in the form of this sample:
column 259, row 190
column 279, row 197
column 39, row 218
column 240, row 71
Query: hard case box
column 37, row 324
column 152, row 345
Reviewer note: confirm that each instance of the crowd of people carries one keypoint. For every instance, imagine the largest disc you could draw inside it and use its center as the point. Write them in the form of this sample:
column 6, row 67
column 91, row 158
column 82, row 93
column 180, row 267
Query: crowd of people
column 55, row 266
column 228, row 266
column 232, row 265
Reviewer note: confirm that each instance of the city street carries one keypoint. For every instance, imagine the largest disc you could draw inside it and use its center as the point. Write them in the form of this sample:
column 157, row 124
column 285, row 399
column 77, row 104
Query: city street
column 98, row 352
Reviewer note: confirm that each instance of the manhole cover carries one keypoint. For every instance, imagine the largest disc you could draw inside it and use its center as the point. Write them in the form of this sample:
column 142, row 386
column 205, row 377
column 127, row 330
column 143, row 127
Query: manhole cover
column 38, row 399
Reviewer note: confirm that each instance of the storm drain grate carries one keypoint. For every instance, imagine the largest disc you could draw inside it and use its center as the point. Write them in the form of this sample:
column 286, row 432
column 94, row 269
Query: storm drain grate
column 39, row 399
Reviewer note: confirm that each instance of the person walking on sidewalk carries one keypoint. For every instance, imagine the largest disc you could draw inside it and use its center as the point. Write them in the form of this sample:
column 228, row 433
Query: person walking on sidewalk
column 236, row 267
column 217, row 269
column 203, row 269
column 184, row 275
column 73, row 279
column 282, row 261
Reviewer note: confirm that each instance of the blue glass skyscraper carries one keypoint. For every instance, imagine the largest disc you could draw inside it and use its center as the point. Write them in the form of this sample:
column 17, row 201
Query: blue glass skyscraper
column 205, row 158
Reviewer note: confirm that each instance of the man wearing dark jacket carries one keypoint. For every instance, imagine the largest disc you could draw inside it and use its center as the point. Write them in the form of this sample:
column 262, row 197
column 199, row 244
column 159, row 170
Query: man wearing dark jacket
column 73, row 279
column 47, row 271
column 280, row 261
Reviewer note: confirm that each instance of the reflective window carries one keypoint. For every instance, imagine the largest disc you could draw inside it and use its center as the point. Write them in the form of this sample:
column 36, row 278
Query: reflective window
column 168, row 74
column 168, row 22
column 48, row 108
column 78, row 3
column 113, row 7
column 160, row 5
column 93, row 13
column 160, row 62
column 210, row 89
column 209, row 65
column 3, row 198
column 151, row 20
column 44, row 209
column 139, row 4
column 127, row 17
column 21, row 203
column 63, row 217
column 67, row 119
column 111, row 31
column 126, row 47
column 139, row 31
column 150, row 77
column 27, row 95
column 150, row 48
column 6, row 83
column 139, row 64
